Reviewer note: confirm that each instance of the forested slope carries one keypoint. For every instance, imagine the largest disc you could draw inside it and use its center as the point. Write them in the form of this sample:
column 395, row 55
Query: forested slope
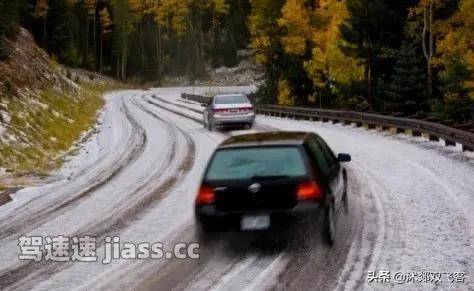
column 42, row 111
column 410, row 58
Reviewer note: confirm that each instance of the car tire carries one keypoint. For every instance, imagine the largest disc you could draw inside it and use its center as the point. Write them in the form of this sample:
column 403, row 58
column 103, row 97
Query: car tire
column 205, row 225
column 329, row 229
column 206, row 230
column 211, row 126
column 345, row 197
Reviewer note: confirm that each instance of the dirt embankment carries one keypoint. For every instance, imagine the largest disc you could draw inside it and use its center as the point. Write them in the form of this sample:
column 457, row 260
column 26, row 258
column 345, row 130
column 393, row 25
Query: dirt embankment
column 44, row 109
column 28, row 69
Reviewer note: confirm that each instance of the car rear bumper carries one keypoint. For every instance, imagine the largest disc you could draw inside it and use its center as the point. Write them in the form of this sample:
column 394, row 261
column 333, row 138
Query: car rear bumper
column 233, row 119
column 302, row 207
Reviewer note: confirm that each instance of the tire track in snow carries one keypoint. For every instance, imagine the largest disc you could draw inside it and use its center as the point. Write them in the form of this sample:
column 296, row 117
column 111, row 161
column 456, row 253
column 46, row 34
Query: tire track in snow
column 366, row 249
column 199, row 276
column 11, row 226
column 259, row 127
column 26, row 274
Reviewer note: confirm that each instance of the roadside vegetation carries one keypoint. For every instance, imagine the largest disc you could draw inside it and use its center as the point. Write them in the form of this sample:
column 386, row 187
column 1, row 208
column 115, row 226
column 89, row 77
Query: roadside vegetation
column 48, row 129
column 409, row 58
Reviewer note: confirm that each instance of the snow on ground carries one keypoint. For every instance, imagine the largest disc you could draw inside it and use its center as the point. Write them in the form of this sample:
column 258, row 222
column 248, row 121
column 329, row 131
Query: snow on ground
column 137, row 178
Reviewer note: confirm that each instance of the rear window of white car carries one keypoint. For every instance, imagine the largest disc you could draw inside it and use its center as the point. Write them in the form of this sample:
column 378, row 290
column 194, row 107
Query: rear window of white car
column 231, row 99
column 246, row 163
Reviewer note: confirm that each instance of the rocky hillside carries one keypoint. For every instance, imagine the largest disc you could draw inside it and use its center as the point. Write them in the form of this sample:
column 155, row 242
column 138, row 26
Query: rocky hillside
column 44, row 108
column 246, row 73
column 27, row 71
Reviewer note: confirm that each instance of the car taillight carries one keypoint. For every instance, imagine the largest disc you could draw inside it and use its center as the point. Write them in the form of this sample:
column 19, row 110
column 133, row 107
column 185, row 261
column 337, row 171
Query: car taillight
column 205, row 195
column 309, row 190
column 221, row 110
column 245, row 109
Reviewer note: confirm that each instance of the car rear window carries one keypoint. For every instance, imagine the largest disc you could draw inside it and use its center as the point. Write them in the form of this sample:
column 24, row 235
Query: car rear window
column 232, row 99
column 253, row 162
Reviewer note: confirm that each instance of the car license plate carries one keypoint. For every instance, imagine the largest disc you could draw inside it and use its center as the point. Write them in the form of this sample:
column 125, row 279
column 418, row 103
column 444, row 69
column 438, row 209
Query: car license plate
column 233, row 110
column 255, row 222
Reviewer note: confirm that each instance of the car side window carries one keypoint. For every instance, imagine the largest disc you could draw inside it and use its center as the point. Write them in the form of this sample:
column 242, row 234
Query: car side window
column 318, row 155
column 328, row 154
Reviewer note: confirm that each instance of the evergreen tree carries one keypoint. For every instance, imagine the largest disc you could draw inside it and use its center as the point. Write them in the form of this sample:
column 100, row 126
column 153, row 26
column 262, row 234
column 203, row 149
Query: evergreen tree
column 8, row 23
column 456, row 84
column 265, row 35
column 371, row 34
column 59, row 30
column 407, row 91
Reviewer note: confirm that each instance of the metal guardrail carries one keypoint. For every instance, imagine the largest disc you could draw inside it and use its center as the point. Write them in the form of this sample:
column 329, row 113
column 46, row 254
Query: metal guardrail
column 414, row 127
column 196, row 98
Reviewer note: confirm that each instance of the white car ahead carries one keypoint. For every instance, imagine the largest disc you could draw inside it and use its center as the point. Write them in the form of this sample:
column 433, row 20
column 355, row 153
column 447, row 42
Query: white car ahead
column 228, row 110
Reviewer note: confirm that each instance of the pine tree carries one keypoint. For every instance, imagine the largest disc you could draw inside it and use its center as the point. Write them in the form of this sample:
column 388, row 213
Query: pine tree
column 105, row 28
column 59, row 27
column 371, row 34
column 265, row 35
column 41, row 12
column 456, row 84
column 8, row 23
column 407, row 91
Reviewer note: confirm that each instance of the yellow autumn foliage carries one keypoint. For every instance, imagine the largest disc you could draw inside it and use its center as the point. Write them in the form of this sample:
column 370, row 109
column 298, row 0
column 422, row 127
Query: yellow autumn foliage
column 328, row 62
column 458, row 38
column 296, row 20
column 285, row 96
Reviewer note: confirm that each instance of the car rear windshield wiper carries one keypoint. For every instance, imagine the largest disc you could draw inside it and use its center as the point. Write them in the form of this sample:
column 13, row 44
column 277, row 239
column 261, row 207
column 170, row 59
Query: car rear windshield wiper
column 269, row 177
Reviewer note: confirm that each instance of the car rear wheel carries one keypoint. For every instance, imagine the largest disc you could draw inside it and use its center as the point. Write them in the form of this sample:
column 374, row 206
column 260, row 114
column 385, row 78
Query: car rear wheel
column 345, row 198
column 211, row 126
column 329, row 229
column 204, row 226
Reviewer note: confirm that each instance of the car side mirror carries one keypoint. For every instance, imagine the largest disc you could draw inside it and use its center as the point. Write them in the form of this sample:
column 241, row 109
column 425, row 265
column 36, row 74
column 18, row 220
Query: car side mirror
column 343, row 158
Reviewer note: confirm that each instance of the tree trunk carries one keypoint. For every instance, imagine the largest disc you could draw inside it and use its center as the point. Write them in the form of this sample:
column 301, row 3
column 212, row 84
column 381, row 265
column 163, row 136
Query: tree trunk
column 101, row 51
column 87, row 41
column 124, row 49
column 368, row 70
column 44, row 32
column 118, row 66
column 163, row 52
column 428, row 52
column 94, row 41
column 142, row 44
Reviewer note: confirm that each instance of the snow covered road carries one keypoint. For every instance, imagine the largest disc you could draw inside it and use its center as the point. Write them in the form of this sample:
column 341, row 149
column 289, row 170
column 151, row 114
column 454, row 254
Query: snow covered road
column 411, row 209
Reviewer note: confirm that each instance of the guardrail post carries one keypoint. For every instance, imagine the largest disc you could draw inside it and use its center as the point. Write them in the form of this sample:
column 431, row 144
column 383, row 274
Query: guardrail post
column 430, row 137
column 465, row 148
column 412, row 132
column 368, row 126
column 449, row 143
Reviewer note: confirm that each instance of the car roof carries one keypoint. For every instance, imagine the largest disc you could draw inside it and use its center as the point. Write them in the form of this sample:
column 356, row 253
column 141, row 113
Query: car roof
column 274, row 138
column 230, row 95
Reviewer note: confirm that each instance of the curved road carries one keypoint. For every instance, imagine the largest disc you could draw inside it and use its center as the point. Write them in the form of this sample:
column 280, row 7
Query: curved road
column 411, row 209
